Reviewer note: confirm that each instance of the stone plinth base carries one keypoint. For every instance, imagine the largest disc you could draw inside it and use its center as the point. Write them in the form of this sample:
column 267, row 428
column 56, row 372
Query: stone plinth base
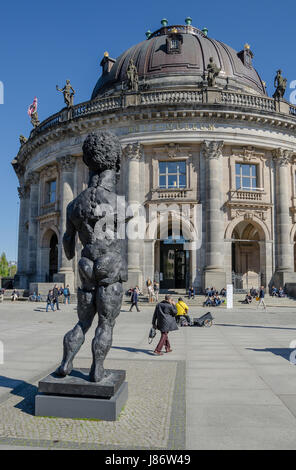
column 61, row 406
column 66, row 278
column 215, row 279
column 135, row 278
column 281, row 278
column 75, row 396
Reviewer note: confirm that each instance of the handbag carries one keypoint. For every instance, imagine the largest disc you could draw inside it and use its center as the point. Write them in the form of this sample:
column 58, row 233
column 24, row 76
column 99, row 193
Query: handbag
column 152, row 334
column 257, row 298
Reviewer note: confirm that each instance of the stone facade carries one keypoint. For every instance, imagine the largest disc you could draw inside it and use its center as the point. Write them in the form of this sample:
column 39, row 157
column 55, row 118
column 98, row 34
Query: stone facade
column 221, row 134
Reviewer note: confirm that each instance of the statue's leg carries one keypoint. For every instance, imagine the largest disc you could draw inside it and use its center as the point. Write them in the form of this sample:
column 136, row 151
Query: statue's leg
column 108, row 301
column 74, row 339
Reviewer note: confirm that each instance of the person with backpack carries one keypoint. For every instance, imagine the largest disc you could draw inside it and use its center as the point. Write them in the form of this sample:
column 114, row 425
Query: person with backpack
column 56, row 294
column 164, row 320
column 66, row 292
column 134, row 299
column 50, row 300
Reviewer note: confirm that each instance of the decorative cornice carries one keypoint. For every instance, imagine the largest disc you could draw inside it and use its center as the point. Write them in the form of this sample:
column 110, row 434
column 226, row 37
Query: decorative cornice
column 67, row 163
column 133, row 151
column 212, row 149
column 283, row 157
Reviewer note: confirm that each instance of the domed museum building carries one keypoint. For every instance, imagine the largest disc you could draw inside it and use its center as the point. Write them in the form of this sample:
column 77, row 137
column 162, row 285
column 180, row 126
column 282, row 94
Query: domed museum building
column 199, row 134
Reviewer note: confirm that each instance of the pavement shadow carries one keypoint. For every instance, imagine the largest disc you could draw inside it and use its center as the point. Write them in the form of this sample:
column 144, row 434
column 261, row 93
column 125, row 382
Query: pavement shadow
column 255, row 326
column 22, row 389
column 283, row 352
column 135, row 350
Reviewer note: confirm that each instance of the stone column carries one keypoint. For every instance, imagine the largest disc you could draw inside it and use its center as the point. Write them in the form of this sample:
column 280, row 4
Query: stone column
column 33, row 183
column 65, row 274
column 133, row 153
column 284, row 249
column 21, row 280
column 214, row 271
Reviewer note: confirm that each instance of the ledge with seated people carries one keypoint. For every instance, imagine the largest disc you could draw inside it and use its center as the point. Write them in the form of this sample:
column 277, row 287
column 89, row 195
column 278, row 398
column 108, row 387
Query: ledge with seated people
column 213, row 301
column 277, row 292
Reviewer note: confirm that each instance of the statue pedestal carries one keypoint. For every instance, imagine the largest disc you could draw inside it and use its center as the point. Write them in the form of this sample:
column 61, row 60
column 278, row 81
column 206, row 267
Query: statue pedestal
column 75, row 396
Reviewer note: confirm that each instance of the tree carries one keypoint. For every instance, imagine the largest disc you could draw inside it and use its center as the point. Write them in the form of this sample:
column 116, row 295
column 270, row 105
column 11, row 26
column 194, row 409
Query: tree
column 4, row 269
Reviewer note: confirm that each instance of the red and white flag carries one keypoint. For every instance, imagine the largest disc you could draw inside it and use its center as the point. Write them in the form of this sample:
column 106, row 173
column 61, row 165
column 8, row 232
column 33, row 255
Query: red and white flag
column 33, row 107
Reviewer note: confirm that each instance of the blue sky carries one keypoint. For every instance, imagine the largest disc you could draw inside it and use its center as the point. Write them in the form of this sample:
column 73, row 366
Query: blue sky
column 44, row 43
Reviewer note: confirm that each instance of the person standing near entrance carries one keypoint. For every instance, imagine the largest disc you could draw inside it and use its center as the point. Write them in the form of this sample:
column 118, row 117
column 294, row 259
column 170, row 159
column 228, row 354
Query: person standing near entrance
column 50, row 301
column 261, row 298
column 164, row 320
column 134, row 299
column 66, row 293
column 56, row 294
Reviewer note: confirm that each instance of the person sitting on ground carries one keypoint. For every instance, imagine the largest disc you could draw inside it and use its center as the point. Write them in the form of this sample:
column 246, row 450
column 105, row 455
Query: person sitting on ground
column 182, row 311
column 209, row 302
column 217, row 300
column 223, row 292
column 274, row 291
column 38, row 298
column 50, row 300
column 33, row 297
column 254, row 292
column 15, row 295
column 191, row 292
column 248, row 298
column 281, row 292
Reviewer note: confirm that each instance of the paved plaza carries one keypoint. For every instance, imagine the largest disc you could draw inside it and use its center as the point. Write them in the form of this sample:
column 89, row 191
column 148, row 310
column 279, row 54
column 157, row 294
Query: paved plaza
column 230, row 386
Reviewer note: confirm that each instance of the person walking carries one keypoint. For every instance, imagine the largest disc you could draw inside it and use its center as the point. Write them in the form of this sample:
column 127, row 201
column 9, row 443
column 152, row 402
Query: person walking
column 56, row 294
column 261, row 298
column 134, row 299
column 66, row 293
column 50, row 300
column 164, row 320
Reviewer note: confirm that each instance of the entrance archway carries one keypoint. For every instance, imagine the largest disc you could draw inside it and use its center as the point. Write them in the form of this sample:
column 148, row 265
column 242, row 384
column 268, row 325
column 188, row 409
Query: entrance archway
column 173, row 262
column 248, row 258
column 53, row 257
column 49, row 255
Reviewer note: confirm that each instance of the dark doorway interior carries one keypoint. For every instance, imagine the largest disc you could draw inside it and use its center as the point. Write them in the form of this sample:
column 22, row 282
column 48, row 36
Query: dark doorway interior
column 173, row 266
column 53, row 257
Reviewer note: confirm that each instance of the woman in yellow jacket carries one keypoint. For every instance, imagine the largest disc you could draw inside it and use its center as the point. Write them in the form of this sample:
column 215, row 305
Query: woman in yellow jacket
column 182, row 309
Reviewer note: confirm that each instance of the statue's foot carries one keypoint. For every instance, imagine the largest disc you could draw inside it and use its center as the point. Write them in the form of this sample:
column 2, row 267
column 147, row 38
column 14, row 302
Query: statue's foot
column 97, row 374
column 65, row 368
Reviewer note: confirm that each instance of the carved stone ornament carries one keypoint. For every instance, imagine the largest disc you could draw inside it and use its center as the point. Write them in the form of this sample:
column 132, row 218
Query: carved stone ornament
column 32, row 178
column 133, row 151
column 282, row 156
column 172, row 150
column 248, row 154
column 48, row 171
column 67, row 163
column 23, row 140
column 212, row 149
column 22, row 191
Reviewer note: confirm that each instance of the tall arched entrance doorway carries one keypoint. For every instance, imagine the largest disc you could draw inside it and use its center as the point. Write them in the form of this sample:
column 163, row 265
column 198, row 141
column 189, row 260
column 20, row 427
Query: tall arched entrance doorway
column 172, row 261
column 248, row 256
column 53, row 257
column 49, row 255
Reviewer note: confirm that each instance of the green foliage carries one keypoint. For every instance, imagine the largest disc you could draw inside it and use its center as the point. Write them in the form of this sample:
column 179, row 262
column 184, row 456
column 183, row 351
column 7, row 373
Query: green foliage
column 4, row 269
